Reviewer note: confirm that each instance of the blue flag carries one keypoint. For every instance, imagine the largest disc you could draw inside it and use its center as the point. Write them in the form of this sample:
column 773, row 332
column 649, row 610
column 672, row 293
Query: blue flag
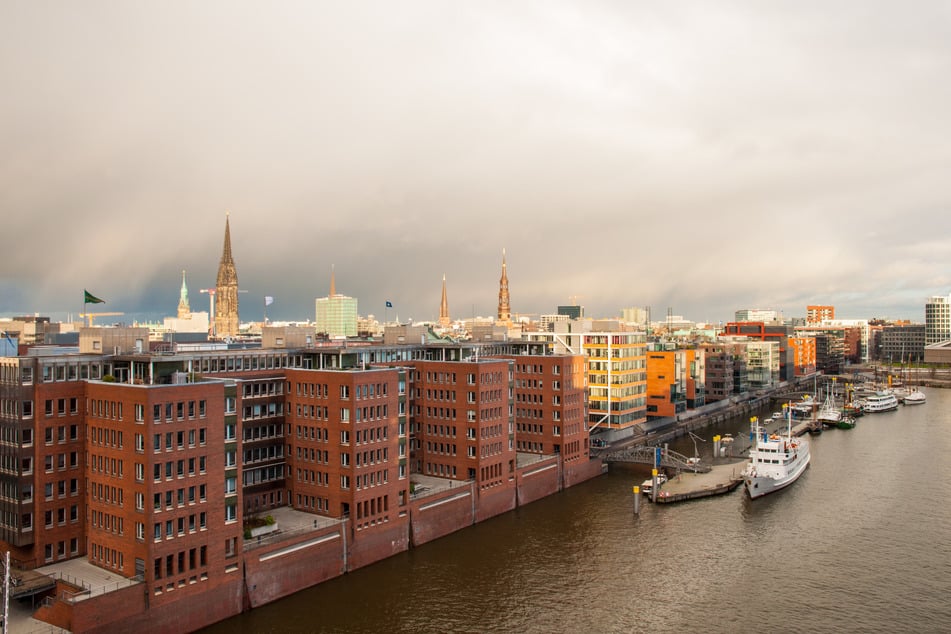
column 389, row 304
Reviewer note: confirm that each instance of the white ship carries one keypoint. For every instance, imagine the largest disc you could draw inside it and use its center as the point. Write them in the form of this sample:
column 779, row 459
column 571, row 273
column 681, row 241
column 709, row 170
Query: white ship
column 776, row 460
column 881, row 401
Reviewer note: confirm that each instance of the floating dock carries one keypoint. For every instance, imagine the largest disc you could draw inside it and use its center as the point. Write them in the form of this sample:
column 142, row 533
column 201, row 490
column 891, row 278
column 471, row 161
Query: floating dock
column 690, row 486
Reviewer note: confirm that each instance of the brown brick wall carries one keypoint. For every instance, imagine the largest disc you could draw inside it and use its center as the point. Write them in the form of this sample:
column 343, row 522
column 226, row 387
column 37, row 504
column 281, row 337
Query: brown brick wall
column 538, row 480
column 430, row 519
column 378, row 542
column 270, row 577
column 496, row 501
column 582, row 472
column 130, row 611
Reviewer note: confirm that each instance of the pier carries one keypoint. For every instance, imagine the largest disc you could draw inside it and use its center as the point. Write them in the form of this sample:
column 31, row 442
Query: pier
column 718, row 480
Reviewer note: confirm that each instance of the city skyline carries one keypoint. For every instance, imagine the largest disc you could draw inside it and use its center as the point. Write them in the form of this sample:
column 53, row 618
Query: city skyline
column 703, row 159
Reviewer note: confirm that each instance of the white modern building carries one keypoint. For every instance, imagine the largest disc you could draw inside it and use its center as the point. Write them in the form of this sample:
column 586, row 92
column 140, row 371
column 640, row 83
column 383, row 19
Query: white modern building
column 937, row 319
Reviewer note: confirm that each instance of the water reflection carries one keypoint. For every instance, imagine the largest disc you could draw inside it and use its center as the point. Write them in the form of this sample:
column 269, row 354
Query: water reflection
column 859, row 543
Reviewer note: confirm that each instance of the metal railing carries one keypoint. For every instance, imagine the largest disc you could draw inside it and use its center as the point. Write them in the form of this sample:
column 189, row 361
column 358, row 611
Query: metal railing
column 647, row 455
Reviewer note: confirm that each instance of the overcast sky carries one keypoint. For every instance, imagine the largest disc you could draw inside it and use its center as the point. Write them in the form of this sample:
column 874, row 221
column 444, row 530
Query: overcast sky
column 702, row 156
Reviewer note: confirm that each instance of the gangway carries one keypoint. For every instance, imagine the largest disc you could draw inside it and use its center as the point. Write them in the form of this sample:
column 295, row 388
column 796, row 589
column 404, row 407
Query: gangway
column 648, row 455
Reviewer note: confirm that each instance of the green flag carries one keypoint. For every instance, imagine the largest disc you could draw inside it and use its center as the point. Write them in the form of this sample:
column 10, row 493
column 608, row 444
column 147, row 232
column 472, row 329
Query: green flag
column 89, row 298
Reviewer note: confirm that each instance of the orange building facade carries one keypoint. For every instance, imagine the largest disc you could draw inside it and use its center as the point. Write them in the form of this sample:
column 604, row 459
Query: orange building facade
column 674, row 381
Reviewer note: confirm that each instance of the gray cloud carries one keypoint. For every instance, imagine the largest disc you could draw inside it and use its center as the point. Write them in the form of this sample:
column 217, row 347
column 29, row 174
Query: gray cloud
column 698, row 156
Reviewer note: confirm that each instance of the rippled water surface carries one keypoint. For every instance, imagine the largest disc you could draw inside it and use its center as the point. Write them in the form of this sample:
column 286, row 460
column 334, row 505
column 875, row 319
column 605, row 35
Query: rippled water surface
column 861, row 543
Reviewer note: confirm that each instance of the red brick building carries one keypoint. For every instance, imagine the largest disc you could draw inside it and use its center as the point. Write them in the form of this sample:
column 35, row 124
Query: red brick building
column 550, row 395
column 146, row 464
column 461, row 421
column 345, row 444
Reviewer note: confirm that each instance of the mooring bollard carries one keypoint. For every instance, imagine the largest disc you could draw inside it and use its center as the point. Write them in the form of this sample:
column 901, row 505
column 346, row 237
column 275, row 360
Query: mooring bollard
column 637, row 500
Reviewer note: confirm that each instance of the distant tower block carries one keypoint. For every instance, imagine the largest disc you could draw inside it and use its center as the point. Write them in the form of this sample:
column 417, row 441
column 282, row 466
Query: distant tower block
column 226, row 290
column 184, row 310
column 444, row 319
column 505, row 312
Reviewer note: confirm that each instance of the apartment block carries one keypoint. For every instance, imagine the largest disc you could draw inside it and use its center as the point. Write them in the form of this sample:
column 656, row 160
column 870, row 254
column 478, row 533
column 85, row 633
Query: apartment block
column 675, row 382
column 346, row 445
column 549, row 405
column 462, row 420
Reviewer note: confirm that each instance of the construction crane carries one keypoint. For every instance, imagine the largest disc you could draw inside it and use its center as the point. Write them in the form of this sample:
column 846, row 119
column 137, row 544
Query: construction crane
column 91, row 315
column 211, row 307
column 574, row 299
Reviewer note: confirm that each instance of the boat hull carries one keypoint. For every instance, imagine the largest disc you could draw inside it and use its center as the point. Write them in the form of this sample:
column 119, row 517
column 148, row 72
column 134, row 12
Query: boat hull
column 758, row 486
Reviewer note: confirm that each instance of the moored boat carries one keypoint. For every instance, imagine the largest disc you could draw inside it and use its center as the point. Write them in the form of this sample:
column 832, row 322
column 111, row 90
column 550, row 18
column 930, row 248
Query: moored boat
column 776, row 460
column 881, row 401
column 853, row 409
column 803, row 408
column 846, row 422
column 829, row 415
column 916, row 397
column 647, row 486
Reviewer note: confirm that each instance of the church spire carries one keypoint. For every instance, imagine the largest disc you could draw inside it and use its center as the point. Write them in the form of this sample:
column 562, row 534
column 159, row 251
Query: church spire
column 505, row 312
column 444, row 319
column 333, row 283
column 183, row 308
column 226, row 290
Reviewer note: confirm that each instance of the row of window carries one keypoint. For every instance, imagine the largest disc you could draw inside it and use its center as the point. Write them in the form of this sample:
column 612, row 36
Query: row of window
column 173, row 411
column 322, row 390
column 534, row 368
column 107, row 522
column 104, row 493
column 172, row 469
column 61, row 550
column 176, row 526
column 172, row 498
column 174, row 440
column 187, row 561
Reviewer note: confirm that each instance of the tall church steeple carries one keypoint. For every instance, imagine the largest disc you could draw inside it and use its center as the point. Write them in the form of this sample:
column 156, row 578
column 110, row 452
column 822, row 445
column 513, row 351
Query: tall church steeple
column 333, row 283
column 505, row 312
column 444, row 319
column 226, row 291
column 183, row 308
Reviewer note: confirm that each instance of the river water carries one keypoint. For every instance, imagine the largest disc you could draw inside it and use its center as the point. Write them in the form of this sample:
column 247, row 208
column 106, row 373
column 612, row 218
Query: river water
column 861, row 543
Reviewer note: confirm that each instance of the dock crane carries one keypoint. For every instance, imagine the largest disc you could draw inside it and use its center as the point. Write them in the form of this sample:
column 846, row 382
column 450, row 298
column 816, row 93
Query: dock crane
column 696, row 454
column 211, row 307
column 91, row 315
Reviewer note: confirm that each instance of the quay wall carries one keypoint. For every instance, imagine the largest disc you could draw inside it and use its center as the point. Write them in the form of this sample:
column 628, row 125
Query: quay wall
column 581, row 471
column 538, row 480
column 127, row 610
column 496, row 500
column 443, row 513
column 294, row 564
column 371, row 544
column 285, row 566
